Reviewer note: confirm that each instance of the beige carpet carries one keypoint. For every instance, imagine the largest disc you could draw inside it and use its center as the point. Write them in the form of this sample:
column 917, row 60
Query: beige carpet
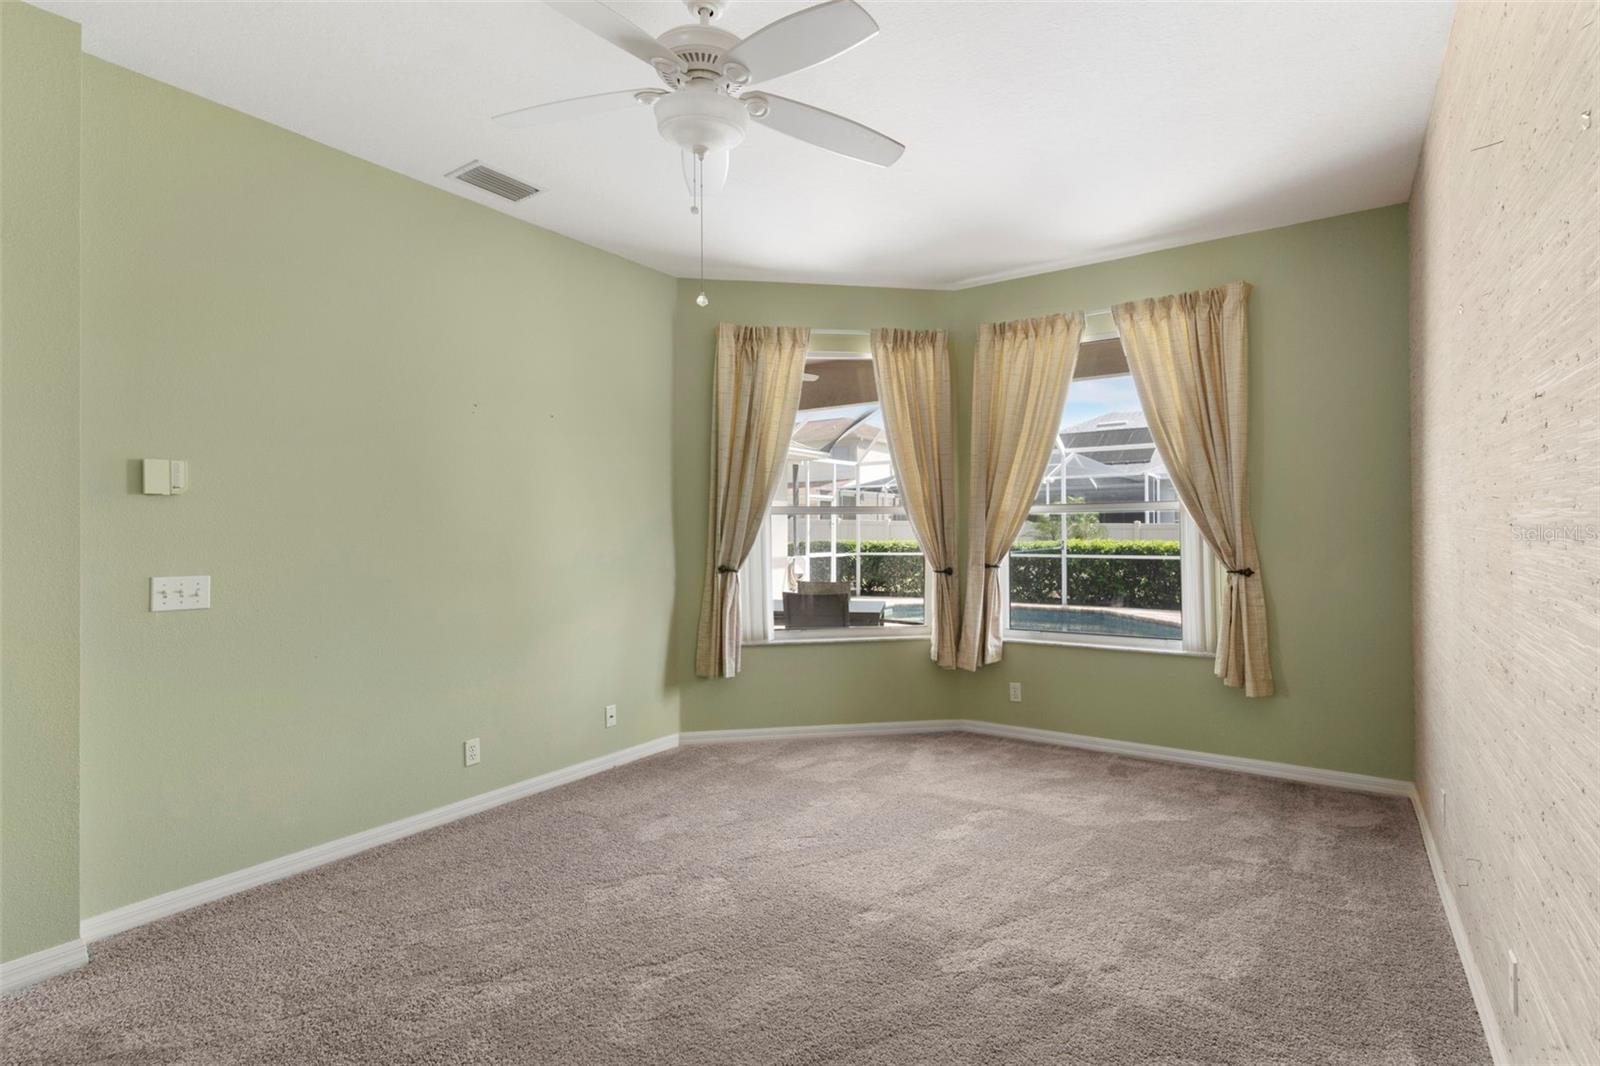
column 905, row 900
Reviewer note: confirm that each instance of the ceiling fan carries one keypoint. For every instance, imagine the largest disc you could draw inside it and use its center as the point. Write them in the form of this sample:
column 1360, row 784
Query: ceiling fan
column 705, row 108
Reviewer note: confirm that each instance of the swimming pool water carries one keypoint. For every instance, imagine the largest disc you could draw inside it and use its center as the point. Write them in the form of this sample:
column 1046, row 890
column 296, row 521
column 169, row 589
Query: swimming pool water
column 1064, row 620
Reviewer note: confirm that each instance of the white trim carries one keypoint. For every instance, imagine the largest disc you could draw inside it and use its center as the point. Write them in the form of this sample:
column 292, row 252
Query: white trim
column 1309, row 775
column 1035, row 638
column 30, row 969
column 841, row 636
column 1097, row 640
column 1481, row 999
column 790, row 732
column 181, row 899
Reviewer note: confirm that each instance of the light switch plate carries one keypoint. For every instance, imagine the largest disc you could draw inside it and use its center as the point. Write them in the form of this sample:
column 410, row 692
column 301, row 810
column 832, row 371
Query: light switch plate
column 158, row 477
column 180, row 593
column 166, row 477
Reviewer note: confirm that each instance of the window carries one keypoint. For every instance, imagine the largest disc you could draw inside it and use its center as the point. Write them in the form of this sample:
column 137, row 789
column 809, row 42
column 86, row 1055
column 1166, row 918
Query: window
column 1107, row 555
column 837, row 558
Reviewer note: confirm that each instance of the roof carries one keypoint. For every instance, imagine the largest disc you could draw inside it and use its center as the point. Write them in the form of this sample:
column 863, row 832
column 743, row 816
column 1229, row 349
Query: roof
column 1113, row 420
column 1080, row 467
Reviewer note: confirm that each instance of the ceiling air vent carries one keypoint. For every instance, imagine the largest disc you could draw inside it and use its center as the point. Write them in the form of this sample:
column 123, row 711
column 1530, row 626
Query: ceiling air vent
column 490, row 180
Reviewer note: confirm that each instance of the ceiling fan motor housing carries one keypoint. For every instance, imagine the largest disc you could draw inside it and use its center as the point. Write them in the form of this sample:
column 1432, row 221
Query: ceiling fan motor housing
column 701, row 119
column 702, row 50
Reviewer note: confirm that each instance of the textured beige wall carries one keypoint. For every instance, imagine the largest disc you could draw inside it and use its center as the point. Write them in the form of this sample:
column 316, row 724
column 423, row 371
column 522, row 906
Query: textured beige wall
column 1506, row 496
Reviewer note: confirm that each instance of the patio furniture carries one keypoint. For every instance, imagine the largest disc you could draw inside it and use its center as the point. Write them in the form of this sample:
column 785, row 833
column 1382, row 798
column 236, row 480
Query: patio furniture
column 818, row 605
column 866, row 612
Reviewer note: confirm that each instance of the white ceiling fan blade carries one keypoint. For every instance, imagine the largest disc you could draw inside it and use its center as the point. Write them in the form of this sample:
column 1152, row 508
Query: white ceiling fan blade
column 577, row 107
column 714, row 172
column 601, row 21
column 803, row 39
column 824, row 129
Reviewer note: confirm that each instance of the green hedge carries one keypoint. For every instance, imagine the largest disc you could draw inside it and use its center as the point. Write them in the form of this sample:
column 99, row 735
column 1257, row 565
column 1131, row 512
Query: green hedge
column 1148, row 582
column 881, row 575
column 1035, row 578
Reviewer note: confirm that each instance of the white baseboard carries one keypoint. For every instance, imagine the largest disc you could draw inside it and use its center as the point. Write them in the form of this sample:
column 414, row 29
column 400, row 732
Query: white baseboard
column 101, row 926
column 1309, row 775
column 1285, row 771
column 789, row 732
column 30, row 969
column 1458, row 929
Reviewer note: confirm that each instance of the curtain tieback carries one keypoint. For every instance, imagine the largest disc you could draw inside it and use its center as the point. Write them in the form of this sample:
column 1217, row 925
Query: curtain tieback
column 735, row 570
column 1245, row 572
column 948, row 571
column 991, row 566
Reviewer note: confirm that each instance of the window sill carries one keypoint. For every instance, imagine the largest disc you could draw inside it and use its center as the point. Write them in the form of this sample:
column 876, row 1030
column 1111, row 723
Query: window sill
column 1095, row 645
column 827, row 637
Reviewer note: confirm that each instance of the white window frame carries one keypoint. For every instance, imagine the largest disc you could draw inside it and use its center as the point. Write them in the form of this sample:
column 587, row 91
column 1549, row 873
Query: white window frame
column 1194, row 616
column 1197, row 578
column 849, row 634
column 771, row 635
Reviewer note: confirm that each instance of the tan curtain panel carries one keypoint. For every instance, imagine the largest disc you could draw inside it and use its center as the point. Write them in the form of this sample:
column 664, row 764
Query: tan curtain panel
column 1190, row 360
column 912, row 368
column 753, row 402
column 1019, row 386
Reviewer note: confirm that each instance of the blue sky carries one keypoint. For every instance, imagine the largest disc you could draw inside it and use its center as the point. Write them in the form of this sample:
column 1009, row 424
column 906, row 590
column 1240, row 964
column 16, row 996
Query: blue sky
column 1099, row 396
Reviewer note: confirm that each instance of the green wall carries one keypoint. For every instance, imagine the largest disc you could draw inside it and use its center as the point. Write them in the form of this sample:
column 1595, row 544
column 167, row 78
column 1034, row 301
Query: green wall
column 424, row 443
column 801, row 684
column 38, row 481
column 1330, row 493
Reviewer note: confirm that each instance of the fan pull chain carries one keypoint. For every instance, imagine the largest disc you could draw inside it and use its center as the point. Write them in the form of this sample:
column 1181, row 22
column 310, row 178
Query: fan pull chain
column 700, row 210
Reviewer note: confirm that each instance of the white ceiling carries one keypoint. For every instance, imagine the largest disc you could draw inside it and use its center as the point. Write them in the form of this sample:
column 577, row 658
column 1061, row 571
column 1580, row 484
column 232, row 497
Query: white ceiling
column 1039, row 135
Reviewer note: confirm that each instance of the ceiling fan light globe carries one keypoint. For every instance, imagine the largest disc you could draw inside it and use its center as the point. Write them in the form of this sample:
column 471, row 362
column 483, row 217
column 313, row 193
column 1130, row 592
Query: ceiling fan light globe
column 701, row 121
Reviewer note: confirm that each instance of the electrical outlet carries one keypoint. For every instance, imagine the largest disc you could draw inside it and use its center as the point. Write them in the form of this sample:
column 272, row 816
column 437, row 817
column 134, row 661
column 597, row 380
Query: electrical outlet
column 472, row 751
column 1016, row 691
column 1511, row 983
column 611, row 715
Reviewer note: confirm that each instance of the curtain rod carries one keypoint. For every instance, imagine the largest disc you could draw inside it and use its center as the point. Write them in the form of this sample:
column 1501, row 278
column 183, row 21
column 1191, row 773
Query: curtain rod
column 868, row 332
